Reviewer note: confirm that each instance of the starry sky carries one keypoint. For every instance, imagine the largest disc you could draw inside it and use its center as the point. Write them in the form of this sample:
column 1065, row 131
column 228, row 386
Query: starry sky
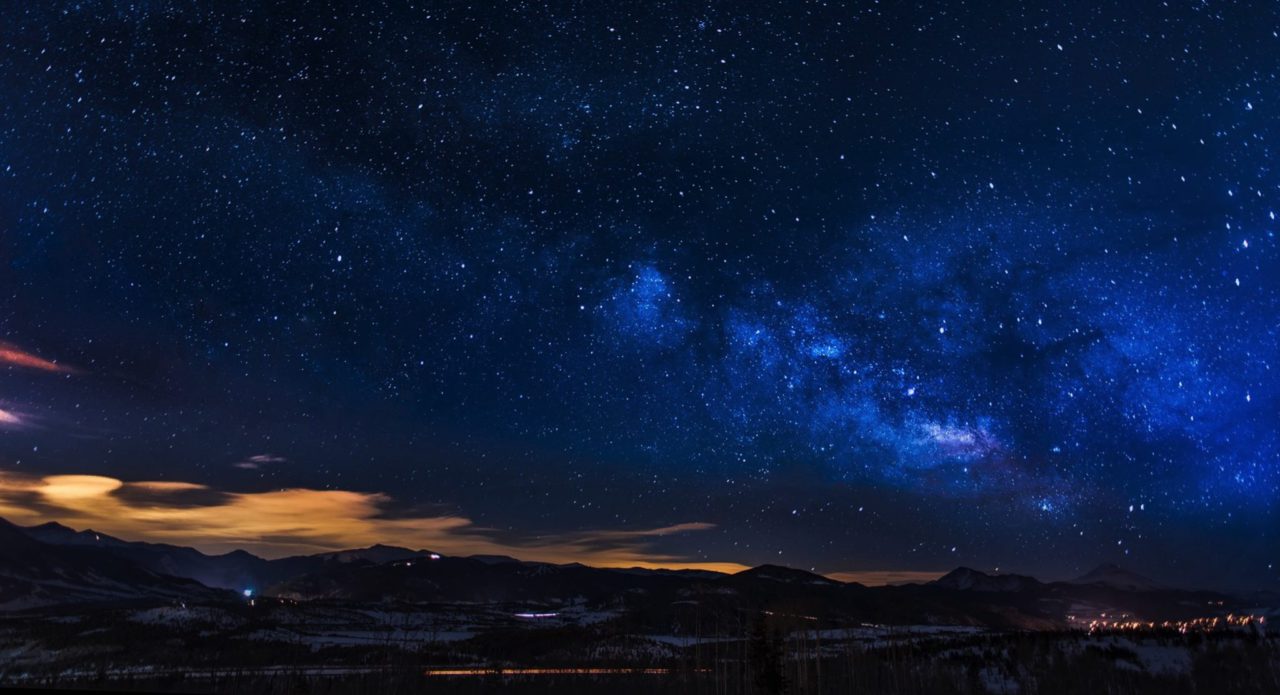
column 856, row 287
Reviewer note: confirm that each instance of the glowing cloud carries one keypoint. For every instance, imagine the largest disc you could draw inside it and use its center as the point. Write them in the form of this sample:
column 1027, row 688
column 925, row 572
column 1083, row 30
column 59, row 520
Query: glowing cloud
column 293, row 521
column 16, row 356
column 8, row 418
column 72, row 488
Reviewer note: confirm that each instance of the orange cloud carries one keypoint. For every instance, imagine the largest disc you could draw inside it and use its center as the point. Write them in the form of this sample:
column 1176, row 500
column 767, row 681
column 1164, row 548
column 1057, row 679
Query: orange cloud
column 8, row 418
column 14, row 355
column 299, row 520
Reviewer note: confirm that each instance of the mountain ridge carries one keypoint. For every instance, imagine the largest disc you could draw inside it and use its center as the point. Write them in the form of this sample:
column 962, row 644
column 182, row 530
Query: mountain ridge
column 104, row 568
column 968, row 579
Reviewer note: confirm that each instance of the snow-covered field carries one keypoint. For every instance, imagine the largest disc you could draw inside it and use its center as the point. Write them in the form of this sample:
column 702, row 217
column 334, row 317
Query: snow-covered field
column 270, row 637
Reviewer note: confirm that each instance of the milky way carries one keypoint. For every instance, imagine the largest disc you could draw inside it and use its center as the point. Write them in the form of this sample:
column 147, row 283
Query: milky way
column 850, row 287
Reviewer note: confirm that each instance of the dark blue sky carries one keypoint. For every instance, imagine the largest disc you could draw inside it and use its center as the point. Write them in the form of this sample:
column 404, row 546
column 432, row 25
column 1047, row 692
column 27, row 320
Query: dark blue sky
column 865, row 285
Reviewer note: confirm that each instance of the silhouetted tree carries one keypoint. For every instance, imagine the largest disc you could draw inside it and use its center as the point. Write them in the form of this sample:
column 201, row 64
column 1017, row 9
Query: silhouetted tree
column 766, row 657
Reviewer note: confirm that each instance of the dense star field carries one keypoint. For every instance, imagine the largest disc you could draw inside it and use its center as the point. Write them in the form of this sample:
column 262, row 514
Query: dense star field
column 853, row 287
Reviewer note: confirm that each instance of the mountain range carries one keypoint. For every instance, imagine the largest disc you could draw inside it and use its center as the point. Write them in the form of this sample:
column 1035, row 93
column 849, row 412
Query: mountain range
column 52, row 564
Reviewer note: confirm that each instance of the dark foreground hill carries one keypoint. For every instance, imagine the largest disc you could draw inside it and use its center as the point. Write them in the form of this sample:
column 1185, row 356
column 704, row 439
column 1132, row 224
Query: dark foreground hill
column 34, row 574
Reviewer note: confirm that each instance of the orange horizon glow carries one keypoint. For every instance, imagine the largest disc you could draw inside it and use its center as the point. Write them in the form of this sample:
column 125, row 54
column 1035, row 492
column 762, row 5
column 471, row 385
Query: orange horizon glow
column 298, row 521
column 294, row 521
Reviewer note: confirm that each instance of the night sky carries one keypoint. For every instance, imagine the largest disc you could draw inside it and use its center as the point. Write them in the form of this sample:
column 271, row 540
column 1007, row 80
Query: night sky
column 869, row 286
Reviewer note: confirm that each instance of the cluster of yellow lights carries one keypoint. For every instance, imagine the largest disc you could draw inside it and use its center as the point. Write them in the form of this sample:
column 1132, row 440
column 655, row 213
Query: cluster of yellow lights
column 1208, row 624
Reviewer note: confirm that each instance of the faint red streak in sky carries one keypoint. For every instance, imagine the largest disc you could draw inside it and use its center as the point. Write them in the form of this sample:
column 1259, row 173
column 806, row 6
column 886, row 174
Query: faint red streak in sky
column 14, row 355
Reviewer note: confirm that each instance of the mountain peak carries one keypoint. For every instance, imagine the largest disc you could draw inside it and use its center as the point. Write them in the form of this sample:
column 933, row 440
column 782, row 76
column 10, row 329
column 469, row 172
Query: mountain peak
column 60, row 534
column 52, row 526
column 790, row 575
column 969, row 579
column 377, row 554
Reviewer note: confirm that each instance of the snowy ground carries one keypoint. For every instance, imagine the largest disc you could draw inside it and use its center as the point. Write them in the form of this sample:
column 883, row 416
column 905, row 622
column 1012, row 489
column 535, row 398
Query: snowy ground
column 271, row 636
